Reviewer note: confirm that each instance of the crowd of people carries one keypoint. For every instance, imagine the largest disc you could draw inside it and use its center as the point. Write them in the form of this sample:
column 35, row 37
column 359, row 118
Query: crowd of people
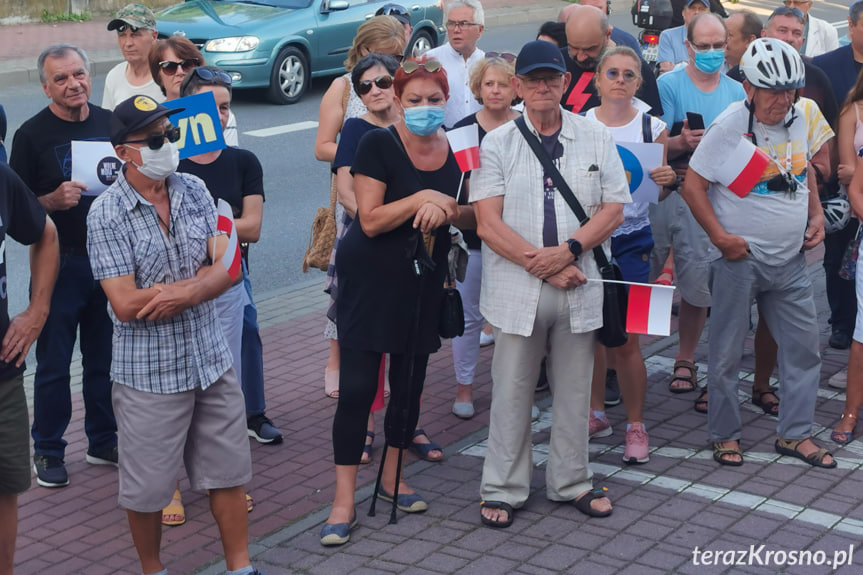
column 172, row 357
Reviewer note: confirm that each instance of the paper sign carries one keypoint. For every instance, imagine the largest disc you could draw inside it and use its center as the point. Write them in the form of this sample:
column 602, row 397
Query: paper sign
column 95, row 165
column 638, row 160
column 200, row 128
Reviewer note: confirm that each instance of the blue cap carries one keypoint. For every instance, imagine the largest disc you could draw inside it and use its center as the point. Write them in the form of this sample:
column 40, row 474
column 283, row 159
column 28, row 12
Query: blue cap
column 705, row 2
column 539, row 54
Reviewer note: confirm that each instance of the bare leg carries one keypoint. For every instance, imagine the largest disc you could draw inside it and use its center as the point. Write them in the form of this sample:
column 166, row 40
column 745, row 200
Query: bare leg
column 229, row 509
column 333, row 359
column 8, row 531
column 597, row 386
column 854, row 391
column 343, row 503
column 632, row 377
column 146, row 531
column 388, row 479
column 464, row 393
column 765, row 356
column 370, row 426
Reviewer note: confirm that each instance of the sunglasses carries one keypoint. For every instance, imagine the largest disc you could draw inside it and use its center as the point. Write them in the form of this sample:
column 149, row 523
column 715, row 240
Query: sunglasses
column 156, row 141
column 411, row 66
column 170, row 68
column 123, row 27
column 208, row 75
column 382, row 82
column 628, row 75
column 788, row 11
column 507, row 56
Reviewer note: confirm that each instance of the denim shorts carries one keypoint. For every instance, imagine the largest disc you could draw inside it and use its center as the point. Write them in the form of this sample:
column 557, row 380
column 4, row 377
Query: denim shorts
column 632, row 254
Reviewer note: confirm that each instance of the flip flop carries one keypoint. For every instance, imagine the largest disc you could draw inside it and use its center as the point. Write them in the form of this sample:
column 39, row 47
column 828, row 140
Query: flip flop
column 496, row 505
column 790, row 447
column 423, row 449
column 175, row 510
column 689, row 379
column 583, row 503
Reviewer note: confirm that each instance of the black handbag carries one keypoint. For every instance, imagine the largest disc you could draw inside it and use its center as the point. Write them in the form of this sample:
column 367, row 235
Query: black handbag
column 451, row 320
column 613, row 330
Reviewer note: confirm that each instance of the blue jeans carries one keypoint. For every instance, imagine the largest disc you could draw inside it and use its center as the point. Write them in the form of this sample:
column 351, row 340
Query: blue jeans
column 252, row 378
column 78, row 300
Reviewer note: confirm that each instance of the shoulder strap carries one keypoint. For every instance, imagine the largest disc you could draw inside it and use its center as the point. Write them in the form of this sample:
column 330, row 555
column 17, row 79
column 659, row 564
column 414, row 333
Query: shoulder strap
column 646, row 129
column 345, row 97
column 562, row 186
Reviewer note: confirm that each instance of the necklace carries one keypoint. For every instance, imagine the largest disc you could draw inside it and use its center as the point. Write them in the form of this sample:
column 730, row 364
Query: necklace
column 163, row 222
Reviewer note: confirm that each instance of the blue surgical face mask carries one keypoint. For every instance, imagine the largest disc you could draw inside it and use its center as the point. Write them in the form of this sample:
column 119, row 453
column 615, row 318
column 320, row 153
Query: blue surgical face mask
column 424, row 120
column 709, row 61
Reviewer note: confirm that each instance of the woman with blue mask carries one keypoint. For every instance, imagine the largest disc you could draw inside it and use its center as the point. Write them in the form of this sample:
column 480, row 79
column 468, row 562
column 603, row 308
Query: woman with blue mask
column 391, row 266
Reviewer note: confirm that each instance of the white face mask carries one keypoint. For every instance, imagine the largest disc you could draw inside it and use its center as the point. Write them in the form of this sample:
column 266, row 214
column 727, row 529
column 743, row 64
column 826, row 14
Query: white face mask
column 161, row 163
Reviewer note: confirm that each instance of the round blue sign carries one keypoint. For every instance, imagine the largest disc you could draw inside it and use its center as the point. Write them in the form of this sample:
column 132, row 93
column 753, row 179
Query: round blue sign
column 632, row 167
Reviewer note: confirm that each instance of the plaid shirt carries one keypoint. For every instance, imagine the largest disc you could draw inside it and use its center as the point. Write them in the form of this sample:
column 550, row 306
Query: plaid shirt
column 124, row 238
column 508, row 167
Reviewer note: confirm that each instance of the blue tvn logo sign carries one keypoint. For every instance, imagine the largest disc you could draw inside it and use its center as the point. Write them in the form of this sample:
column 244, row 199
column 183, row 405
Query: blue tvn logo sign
column 200, row 127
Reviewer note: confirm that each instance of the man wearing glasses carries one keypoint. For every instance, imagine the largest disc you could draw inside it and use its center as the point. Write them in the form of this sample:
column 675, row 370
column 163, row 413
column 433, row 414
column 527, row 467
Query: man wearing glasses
column 819, row 36
column 464, row 21
column 155, row 248
column 536, row 263
column 136, row 33
column 42, row 157
column 672, row 42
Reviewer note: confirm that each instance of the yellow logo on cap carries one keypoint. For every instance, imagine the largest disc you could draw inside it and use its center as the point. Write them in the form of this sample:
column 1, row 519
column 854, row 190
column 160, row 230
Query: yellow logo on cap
column 145, row 103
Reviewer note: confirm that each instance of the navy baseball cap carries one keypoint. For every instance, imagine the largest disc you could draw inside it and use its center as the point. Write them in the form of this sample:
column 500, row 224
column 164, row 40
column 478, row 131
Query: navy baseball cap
column 705, row 2
column 135, row 113
column 537, row 55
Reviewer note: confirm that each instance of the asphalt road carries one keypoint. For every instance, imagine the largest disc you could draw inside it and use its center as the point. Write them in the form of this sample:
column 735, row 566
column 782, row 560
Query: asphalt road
column 295, row 183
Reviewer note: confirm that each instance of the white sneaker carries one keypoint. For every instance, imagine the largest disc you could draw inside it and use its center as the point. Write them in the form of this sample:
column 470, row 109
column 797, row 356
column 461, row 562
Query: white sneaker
column 839, row 380
column 485, row 339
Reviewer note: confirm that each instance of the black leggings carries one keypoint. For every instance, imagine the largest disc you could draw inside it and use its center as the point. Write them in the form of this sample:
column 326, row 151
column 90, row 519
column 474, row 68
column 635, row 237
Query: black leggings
column 358, row 381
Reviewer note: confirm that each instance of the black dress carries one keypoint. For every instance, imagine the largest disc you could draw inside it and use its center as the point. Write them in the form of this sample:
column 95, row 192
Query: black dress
column 378, row 288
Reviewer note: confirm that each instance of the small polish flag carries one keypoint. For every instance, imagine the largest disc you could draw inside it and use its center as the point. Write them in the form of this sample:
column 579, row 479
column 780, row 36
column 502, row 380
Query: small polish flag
column 743, row 168
column 649, row 309
column 465, row 146
column 231, row 259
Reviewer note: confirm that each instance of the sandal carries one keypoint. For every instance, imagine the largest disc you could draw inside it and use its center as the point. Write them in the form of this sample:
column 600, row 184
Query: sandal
column 496, row 505
column 367, row 448
column 720, row 452
column 689, row 379
column 791, row 448
column 583, row 503
column 844, row 437
column 423, row 449
column 331, row 383
column 769, row 407
column 174, row 514
column 701, row 402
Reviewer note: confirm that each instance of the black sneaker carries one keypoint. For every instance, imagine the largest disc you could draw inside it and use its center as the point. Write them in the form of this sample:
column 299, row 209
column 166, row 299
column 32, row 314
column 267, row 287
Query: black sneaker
column 104, row 457
column 839, row 339
column 50, row 471
column 262, row 429
column 612, row 389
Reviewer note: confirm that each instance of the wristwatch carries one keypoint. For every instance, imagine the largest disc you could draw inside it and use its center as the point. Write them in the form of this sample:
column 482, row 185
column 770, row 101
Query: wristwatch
column 575, row 247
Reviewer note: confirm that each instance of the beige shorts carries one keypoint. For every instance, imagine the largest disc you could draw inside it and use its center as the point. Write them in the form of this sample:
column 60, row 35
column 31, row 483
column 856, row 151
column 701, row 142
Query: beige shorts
column 203, row 429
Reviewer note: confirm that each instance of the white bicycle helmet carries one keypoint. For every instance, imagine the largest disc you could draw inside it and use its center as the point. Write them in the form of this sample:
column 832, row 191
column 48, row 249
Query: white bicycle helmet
column 773, row 65
column 837, row 214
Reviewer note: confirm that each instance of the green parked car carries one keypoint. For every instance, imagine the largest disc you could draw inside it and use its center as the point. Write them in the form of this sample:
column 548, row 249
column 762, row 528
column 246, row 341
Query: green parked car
column 282, row 44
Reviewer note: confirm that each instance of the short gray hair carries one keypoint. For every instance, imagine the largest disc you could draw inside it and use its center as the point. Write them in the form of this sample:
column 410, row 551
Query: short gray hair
column 58, row 51
column 478, row 12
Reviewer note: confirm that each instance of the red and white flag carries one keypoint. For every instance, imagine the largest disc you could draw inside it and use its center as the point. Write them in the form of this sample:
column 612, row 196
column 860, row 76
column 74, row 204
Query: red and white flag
column 231, row 259
column 742, row 169
column 648, row 310
column 465, row 146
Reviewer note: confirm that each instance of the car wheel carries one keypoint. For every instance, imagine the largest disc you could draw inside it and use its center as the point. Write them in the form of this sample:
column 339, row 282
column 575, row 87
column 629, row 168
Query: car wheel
column 290, row 76
column 422, row 43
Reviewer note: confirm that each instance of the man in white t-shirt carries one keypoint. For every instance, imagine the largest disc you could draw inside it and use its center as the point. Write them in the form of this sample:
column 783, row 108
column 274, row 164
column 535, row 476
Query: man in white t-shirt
column 136, row 33
column 465, row 21
column 758, row 232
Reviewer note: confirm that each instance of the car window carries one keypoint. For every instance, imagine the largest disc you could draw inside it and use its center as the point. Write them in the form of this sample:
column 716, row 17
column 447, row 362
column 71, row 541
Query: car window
column 276, row 3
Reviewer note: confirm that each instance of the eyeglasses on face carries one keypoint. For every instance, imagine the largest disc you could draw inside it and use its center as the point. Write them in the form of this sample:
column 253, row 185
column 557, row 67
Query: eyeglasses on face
column 169, row 67
column 787, row 10
column 460, row 24
column 156, row 141
column 382, row 82
column 706, row 47
column 507, row 56
column 209, row 75
column 532, row 82
column 628, row 75
column 411, row 66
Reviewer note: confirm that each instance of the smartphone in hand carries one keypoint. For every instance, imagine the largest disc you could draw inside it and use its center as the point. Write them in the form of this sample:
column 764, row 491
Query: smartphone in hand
column 696, row 121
